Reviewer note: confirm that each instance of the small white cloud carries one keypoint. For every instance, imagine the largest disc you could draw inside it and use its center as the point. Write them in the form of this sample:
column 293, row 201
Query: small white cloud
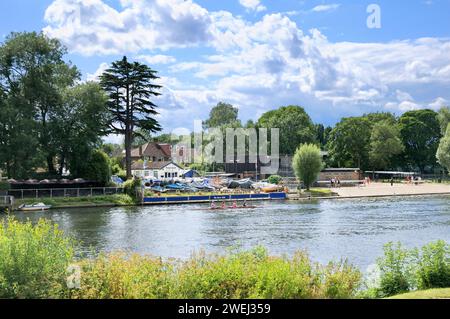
column 157, row 59
column 254, row 5
column 96, row 76
column 438, row 103
column 325, row 7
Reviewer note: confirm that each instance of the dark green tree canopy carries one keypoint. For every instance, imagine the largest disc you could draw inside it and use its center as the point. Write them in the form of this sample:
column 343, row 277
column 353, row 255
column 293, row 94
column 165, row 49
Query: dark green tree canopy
column 444, row 119
column 349, row 142
column 130, row 88
column 296, row 127
column 33, row 75
column 420, row 132
column 385, row 144
column 223, row 114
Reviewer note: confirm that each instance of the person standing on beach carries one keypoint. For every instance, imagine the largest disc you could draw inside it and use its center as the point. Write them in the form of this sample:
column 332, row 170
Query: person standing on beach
column 392, row 181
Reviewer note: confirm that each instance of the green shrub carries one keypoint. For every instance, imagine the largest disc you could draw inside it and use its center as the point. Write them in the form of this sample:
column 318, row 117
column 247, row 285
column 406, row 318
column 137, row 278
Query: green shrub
column 33, row 259
column 132, row 186
column 433, row 266
column 251, row 274
column 275, row 179
column 307, row 164
column 396, row 275
column 402, row 270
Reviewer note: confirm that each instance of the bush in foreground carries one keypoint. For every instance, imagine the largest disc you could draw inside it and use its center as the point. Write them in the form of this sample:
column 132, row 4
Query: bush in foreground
column 403, row 270
column 251, row 274
column 33, row 259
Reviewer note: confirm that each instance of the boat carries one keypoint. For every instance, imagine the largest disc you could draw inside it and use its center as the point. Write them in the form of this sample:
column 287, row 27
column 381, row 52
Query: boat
column 270, row 189
column 34, row 207
column 231, row 207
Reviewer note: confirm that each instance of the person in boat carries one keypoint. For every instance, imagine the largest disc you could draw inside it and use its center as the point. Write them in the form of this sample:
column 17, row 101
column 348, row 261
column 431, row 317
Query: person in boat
column 213, row 205
column 223, row 205
column 245, row 204
column 234, row 204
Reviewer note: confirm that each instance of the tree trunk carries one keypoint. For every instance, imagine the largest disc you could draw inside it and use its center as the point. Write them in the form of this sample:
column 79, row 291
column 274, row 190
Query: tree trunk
column 50, row 165
column 128, row 153
column 61, row 164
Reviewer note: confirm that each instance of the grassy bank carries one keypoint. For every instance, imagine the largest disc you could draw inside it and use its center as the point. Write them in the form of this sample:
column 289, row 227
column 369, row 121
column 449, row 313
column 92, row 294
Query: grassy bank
column 443, row 293
column 61, row 202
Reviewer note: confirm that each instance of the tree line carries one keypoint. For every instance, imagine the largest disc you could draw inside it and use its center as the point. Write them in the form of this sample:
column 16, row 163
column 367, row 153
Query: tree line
column 375, row 141
column 52, row 122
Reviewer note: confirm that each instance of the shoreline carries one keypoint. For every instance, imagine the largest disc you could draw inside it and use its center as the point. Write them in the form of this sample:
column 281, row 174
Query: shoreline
column 289, row 199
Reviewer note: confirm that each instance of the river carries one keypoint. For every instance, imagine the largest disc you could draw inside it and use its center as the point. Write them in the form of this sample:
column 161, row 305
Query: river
column 329, row 229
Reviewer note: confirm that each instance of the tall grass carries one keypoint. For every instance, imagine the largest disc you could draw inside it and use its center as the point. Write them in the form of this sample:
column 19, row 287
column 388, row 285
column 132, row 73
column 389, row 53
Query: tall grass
column 33, row 259
column 403, row 270
column 251, row 274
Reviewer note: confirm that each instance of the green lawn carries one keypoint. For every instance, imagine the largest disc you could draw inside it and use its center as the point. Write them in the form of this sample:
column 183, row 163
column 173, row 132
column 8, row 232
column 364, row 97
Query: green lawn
column 443, row 293
column 56, row 202
column 319, row 192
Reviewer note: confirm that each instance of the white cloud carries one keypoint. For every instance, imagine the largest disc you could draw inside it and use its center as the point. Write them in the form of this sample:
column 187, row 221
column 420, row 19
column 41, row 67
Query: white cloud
column 96, row 76
column 254, row 5
column 93, row 27
column 325, row 7
column 439, row 103
column 157, row 59
column 257, row 65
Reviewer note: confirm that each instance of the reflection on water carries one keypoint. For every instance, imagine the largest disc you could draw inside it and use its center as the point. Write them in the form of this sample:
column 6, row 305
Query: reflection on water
column 353, row 229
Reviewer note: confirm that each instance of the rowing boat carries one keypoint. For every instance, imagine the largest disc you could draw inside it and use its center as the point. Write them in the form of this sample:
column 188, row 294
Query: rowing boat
column 231, row 207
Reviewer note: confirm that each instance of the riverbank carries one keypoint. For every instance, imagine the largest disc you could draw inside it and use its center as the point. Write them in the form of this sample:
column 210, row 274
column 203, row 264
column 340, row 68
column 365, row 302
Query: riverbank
column 443, row 293
column 80, row 202
column 386, row 190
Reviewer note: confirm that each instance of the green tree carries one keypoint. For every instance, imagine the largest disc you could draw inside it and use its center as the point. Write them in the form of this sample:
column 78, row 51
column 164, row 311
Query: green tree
column 78, row 125
column 130, row 87
column 296, row 127
column 33, row 68
column 307, row 164
column 97, row 167
column 443, row 152
column 223, row 114
column 349, row 142
column 377, row 117
column 444, row 118
column 420, row 132
column 385, row 143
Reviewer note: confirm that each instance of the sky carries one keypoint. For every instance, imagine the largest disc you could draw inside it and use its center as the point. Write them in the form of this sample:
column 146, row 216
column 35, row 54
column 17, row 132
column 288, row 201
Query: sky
column 335, row 58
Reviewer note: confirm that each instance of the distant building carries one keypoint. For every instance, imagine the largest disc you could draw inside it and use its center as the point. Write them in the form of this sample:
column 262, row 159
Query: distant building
column 251, row 169
column 343, row 174
column 152, row 152
column 157, row 170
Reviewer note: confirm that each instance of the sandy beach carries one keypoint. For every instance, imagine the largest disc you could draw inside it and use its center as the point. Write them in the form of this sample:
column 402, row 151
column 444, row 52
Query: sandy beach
column 382, row 189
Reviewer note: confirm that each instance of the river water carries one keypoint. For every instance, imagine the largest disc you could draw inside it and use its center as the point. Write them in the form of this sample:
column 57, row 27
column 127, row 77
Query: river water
column 329, row 230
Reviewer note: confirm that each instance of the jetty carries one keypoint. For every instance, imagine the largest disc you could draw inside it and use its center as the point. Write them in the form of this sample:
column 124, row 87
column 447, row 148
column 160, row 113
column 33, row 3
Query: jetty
column 198, row 199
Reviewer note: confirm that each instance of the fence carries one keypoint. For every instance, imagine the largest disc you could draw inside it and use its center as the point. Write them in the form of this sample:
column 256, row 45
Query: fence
column 65, row 192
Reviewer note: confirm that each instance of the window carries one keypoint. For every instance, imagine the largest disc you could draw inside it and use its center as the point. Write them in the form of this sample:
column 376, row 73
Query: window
column 155, row 174
column 147, row 173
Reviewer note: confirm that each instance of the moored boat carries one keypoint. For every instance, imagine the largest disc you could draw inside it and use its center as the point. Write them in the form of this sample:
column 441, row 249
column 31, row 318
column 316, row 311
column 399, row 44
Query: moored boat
column 34, row 207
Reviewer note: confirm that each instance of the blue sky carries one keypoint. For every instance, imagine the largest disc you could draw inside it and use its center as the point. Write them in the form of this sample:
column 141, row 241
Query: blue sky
column 258, row 54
